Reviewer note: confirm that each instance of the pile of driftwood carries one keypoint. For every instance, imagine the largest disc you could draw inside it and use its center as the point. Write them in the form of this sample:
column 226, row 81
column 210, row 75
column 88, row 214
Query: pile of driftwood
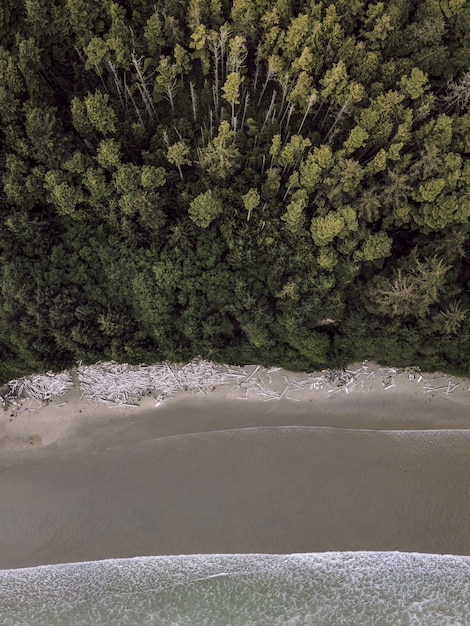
column 42, row 387
column 199, row 375
column 116, row 383
column 258, row 381
column 436, row 384
column 124, row 384
column 273, row 385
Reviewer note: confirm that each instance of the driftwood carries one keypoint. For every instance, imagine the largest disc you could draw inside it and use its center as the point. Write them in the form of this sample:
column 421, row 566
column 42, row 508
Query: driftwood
column 42, row 388
column 114, row 384
column 124, row 384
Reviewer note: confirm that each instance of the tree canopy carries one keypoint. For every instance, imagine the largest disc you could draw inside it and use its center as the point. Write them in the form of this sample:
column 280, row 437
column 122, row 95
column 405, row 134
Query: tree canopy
column 218, row 178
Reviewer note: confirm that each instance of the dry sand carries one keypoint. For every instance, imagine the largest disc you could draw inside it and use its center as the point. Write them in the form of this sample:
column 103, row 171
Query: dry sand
column 67, row 422
column 219, row 473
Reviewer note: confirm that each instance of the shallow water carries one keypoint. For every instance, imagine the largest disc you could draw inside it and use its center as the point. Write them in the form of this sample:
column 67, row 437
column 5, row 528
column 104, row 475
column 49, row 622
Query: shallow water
column 322, row 589
column 263, row 490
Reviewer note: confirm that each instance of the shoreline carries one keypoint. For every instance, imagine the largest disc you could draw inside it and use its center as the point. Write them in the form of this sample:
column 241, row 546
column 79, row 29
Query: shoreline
column 366, row 469
column 364, row 396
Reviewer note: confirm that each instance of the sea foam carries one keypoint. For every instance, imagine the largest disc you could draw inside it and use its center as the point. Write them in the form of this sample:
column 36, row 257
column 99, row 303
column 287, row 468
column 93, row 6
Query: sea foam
column 243, row 589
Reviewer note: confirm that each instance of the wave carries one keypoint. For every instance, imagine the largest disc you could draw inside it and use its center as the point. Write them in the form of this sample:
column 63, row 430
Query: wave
column 240, row 589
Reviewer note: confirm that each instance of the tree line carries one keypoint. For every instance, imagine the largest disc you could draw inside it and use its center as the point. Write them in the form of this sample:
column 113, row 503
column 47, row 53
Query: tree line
column 283, row 182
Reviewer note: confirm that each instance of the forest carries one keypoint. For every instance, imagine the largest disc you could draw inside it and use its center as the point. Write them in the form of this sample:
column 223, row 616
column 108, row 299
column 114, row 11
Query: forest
column 283, row 182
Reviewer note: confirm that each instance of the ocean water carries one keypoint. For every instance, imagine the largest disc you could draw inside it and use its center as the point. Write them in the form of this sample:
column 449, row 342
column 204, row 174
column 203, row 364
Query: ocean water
column 336, row 588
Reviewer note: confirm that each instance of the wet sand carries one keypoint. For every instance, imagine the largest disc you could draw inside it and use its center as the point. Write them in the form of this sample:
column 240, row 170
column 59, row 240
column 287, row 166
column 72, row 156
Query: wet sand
column 214, row 474
column 278, row 490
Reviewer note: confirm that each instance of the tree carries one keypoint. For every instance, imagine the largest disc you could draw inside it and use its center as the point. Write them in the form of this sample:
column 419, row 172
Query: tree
column 165, row 81
column 325, row 228
column 42, row 130
column 100, row 191
column 296, row 35
column 231, row 89
column 379, row 119
column 292, row 151
column 357, row 139
column 152, row 177
column 302, row 92
column 22, row 186
column 108, row 154
column 221, row 157
column 457, row 95
column 318, row 162
column 29, row 62
column 414, row 85
column 83, row 16
column 205, row 208
column 153, row 33
column 201, row 40
column 250, row 201
column 100, row 113
column 244, row 15
column 309, row 343
column 207, row 12
column 378, row 24
column 450, row 319
column 334, row 83
column 64, row 195
column 179, row 154
column 294, row 214
column 270, row 187
column 337, row 223
column 409, row 291
column 127, row 177
column 97, row 53
column 119, row 37
column 377, row 246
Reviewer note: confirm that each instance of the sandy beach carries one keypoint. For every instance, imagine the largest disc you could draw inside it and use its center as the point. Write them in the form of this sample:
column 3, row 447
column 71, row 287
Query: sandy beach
column 71, row 422
column 376, row 467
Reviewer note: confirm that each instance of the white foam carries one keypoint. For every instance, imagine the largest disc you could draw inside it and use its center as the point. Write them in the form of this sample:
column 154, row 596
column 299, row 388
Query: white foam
column 325, row 588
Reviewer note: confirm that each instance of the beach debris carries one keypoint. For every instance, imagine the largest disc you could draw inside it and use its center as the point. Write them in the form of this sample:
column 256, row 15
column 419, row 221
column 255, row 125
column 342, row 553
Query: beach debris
column 41, row 387
column 125, row 385
column 121, row 384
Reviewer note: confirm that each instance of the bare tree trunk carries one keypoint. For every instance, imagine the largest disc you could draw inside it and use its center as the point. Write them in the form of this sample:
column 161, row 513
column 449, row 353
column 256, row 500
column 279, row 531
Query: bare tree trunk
column 311, row 101
column 247, row 98
column 135, row 106
column 142, row 84
column 257, row 67
column 216, row 85
column 289, row 110
column 223, row 38
column 287, row 190
column 332, row 132
column 193, row 100
column 119, row 86
column 170, row 93
column 269, row 76
column 270, row 110
column 233, row 115
column 81, row 56
column 285, row 90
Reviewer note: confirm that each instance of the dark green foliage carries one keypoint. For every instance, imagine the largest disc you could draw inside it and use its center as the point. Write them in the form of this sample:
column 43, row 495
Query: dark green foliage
column 257, row 180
